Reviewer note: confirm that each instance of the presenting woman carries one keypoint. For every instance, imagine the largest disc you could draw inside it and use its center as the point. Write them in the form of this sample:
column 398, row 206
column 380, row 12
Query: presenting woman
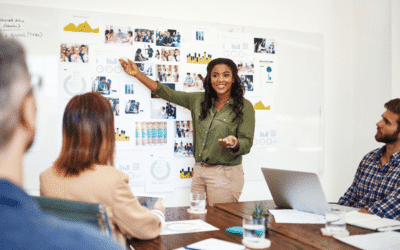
column 223, row 126
column 84, row 170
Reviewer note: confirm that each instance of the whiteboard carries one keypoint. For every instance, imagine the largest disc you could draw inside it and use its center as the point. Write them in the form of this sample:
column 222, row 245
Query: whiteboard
column 297, row 97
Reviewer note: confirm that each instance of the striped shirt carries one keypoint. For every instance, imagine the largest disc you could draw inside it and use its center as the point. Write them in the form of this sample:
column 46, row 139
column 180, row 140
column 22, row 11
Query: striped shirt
column 376, row 187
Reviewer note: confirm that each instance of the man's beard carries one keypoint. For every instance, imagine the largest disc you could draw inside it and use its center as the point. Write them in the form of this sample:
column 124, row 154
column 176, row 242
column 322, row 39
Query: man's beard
column 387, row 139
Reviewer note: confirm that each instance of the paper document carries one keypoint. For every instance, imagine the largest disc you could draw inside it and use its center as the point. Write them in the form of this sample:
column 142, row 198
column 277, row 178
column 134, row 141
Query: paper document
column 296, row 217
column 186, row 226
column 371, row 221
column 381, row 240
column 214, row 244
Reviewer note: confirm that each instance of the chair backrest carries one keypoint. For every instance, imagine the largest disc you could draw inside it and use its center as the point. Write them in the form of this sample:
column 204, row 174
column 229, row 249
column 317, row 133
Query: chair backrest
column 76, row 211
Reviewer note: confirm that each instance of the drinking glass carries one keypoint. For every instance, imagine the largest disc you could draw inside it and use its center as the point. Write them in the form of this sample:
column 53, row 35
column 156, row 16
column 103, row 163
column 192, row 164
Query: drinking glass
column 253, row 229
column 197, row 201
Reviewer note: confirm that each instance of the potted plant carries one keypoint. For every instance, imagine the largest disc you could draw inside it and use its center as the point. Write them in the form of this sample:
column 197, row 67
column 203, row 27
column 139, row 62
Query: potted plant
column 259, row 211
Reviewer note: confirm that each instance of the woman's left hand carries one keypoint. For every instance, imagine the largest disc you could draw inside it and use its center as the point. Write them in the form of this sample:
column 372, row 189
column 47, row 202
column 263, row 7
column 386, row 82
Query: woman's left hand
column 229, row 142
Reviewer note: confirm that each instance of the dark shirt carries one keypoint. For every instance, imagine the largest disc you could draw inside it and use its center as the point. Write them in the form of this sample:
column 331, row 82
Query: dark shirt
column 166, row 40
column 25, row 226
column 376, row 187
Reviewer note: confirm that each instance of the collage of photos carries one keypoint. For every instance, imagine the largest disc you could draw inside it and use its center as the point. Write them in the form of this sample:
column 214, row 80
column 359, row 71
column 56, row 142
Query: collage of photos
column 104, row 85
column 194, row 82
column 183, row 145
column 167, row 73
column 118, row 35
column 74, row 53
column 114, row 102
column 168, row 38
column 262, row 45
column 170, row 55
column 161, row 109
column 144, row 35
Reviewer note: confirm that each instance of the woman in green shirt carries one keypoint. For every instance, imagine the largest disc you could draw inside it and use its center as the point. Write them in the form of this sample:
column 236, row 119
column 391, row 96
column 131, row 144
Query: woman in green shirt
column 223, row 127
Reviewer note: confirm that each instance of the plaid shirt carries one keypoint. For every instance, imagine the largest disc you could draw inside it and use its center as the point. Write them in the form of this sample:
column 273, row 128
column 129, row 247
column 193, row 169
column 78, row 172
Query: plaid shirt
column 376, row 188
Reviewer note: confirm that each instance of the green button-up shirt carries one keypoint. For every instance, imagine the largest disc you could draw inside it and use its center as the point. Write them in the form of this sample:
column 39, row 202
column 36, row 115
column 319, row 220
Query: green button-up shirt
column 217, row 125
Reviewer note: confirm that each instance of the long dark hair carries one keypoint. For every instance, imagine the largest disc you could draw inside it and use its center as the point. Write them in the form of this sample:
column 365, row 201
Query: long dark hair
column 88, row 134
column 237, row 90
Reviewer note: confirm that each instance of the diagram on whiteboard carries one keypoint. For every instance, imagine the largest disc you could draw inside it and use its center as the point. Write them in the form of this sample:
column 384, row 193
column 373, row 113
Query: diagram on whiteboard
column 159, row 174
column 260, row 106
column 82, row 27
column 199, row 58
column 236, row 46
column 120, row 135
column 266, row 135
column 132, row 169
column 267, row 71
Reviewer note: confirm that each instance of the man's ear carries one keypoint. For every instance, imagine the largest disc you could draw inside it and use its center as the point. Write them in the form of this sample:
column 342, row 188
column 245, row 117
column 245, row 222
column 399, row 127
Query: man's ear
column 28, row 113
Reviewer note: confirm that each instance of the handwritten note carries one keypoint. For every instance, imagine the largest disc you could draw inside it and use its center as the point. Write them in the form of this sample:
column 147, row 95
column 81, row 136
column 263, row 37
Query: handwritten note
column 16, row 28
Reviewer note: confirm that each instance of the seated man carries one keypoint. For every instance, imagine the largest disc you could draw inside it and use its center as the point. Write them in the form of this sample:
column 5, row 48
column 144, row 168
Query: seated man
column 23, row 224
column 376, row 186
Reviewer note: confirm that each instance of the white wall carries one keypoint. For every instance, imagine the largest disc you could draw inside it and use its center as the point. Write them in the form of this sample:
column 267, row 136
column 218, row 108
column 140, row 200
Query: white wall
column 358, row 61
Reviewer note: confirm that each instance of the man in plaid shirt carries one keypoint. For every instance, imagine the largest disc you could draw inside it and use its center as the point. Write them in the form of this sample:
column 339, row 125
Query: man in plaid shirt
column 376, row 186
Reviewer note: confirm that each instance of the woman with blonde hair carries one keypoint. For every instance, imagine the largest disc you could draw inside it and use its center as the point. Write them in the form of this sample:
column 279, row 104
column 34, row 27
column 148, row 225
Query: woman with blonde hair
column 84, row 170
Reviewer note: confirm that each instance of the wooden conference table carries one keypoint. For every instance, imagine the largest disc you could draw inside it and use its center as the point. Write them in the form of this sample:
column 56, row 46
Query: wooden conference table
column 224, row 215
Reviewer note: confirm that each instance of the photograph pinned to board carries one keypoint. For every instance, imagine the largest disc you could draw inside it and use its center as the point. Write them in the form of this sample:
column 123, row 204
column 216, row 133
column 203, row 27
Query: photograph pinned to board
column 114, row 102
column 162, row 109
column 105, row 85
column 204, row 35
column 74, row 53
column 266, row 136
column 247, row 81
column 263, row 45
column 183, row 148
column 170, row 55
column 118, row 35
column 167, row 73
column 194, row 80
column 147, row 69
column 144, row 36
column 245, row 66
column 236, row 46
column 159, row 176
column 147, row 51
column 183, row 129
column 183, row 171
column 84, row 27
column 134, row 106
column 151, row 133
column 168, row 38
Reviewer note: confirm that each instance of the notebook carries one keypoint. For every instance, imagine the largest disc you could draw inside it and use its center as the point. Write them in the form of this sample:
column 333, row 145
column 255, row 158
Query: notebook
column 298, row 190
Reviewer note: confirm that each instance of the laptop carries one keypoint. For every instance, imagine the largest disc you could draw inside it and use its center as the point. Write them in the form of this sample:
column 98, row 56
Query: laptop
column 298, row 190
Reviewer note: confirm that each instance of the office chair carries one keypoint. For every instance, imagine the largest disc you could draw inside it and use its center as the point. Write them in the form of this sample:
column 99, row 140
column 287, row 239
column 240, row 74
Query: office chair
column 76, row 211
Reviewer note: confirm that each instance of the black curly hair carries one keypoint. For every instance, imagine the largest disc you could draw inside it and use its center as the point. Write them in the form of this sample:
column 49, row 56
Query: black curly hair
column 237, row 90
